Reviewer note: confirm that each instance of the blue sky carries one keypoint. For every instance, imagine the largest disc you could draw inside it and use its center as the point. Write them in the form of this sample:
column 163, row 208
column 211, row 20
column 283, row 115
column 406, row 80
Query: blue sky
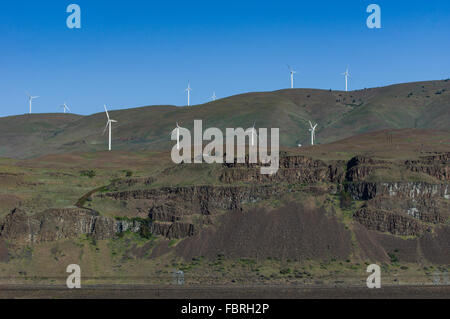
column 135, row 53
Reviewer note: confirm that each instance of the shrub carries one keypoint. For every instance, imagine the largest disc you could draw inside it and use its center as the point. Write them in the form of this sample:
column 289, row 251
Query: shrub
column 393, row 258
column 145, row 231
column 345, row 200
column 285, row 271
column 88, row 173
column 128, row 173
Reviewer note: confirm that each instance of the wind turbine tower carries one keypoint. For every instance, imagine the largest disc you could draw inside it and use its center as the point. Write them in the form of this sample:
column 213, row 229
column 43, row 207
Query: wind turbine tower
column 188, row 90
column 30, row 99
column 214, row 97
column 65, row 107
column 292, row 72
column 313, row 132
column 347, row 75
column 108, row 125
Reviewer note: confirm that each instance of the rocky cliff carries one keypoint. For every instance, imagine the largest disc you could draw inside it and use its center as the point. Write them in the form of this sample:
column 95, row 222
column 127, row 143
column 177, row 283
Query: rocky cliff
column 293, row 169
column 400, row 208
column 56, row 224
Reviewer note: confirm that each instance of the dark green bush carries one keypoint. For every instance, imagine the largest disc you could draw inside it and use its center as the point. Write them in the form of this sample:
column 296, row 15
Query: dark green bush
column 88, row 173
column 345, row 200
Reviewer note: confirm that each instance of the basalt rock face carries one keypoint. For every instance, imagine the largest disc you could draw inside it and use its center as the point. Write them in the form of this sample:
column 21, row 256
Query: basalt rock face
column 170, row 208
column 399, row 208
column 412, row 190
column 425, row 202
column 170, row 203
column 388, row 221
column 58, row 224
column 360, row 167
column 174, row 230
column 437, row 166
column 293, row 169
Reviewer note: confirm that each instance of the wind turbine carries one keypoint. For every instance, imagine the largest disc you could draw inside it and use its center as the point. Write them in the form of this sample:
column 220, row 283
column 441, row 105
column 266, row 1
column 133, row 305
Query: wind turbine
column 292, row 72
column 214, row 97
column 65, row 107
column 188, row 90
column 177, row 129
column 313, row 132
column 347, row 75
column 30, row 99
column 108, row 124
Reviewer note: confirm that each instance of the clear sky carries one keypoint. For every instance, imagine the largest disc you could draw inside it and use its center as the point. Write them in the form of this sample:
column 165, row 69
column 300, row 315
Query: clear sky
column 135, row 53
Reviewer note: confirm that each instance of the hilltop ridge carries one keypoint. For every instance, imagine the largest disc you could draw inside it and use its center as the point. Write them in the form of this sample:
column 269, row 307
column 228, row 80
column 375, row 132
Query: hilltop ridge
column 423, row 105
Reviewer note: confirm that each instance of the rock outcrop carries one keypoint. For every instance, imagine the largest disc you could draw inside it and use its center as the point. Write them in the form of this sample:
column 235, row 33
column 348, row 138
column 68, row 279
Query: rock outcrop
column 293, row 169
column 400, row 208
column 387, row 221
column 60, row 224
column 413, row 190
column 170, row 203
column 57, row 224
column 437, row 166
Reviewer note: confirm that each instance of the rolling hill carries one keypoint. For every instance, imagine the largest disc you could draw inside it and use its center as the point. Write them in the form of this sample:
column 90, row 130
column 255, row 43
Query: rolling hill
column 423, row 105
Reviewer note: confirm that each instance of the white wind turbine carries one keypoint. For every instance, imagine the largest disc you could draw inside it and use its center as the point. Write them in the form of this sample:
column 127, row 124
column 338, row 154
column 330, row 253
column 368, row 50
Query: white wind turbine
column 347, row 75
column 108, row 124
column 188, row 90
column 313, row 132
column 65, row 107
column 214, row 97
column 30, row 99
column 292, row 72
column 177, row 129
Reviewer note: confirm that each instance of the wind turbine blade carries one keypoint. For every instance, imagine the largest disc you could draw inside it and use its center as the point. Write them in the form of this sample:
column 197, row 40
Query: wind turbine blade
column 106, row 127
column 106, row 112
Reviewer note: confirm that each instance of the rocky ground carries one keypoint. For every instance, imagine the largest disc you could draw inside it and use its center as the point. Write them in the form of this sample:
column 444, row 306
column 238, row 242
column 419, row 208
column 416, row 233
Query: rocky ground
column 328, row 213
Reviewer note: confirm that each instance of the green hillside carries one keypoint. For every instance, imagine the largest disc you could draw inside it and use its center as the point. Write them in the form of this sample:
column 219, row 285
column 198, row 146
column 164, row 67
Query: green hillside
column 424, row 105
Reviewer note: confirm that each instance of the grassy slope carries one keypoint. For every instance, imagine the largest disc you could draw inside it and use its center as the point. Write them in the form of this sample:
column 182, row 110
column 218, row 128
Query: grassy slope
column 339, row 115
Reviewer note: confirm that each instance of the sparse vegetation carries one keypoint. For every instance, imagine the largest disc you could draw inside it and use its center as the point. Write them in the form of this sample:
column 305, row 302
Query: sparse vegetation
column 346, row 200
column 88, row 173
column 128, row 173
column 393, row 258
